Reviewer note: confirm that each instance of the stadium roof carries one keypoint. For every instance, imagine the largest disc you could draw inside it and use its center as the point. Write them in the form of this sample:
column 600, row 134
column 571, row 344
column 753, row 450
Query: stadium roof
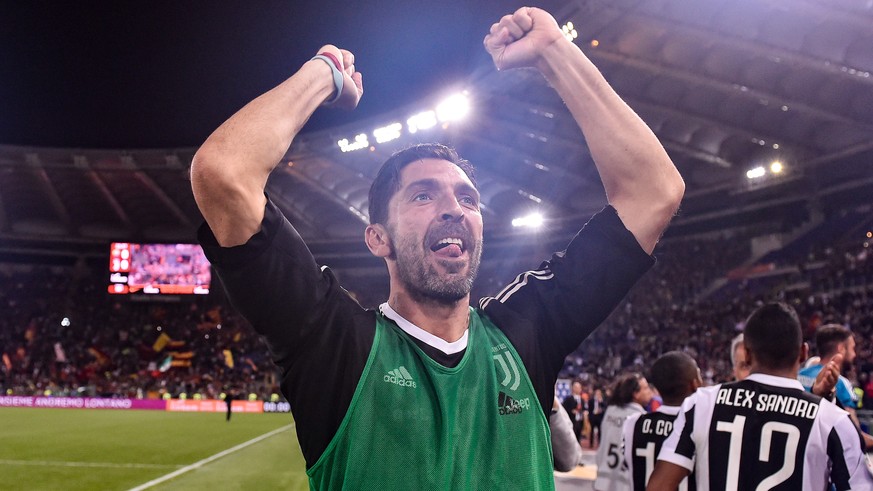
column 728, row 86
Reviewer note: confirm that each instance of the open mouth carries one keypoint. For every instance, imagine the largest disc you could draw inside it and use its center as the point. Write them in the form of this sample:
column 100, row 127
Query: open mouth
column 448, row 247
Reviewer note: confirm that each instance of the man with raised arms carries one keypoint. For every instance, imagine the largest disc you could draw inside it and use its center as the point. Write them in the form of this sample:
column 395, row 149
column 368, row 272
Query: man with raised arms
column 426, row 392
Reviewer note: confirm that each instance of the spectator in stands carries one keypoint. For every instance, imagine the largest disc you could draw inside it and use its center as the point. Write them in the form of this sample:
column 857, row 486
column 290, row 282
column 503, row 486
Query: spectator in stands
column 738, row 358
column 577, row 407
column 868, row 390
column 596, row 407
column 816, row 440
column 426, row 223
column 630, row 393
column 676, row 376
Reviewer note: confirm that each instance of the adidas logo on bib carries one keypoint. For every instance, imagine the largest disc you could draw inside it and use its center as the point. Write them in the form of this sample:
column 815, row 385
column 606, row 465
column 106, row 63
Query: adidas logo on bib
column 507, row 405
column 400, row 376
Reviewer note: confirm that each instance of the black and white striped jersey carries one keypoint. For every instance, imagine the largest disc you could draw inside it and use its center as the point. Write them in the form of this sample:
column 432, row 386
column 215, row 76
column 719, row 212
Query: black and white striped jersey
column 766, row 433
column 644, row 434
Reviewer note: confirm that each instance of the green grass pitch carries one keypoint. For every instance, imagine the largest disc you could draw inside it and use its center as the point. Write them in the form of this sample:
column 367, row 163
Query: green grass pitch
column 81, row 449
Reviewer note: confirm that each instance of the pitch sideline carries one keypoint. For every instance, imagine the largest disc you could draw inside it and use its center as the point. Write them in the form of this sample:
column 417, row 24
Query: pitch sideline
column 201, row 463
column 108, row 465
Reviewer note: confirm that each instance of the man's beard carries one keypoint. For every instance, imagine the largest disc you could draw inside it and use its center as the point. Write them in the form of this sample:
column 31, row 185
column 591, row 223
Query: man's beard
column 422, row 280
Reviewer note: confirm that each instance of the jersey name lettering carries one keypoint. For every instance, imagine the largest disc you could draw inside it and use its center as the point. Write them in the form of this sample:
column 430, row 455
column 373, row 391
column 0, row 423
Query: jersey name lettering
column 787, row 405
column 660, row 427
column 736, row 397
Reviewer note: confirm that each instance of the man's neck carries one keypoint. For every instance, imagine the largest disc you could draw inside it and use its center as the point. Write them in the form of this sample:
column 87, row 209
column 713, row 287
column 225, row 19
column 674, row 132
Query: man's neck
column 785, row 372
column 445, row 321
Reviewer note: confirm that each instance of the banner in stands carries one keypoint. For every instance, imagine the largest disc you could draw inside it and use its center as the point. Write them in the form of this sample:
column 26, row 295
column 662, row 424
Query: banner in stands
column 214, row 406
column 81, row 402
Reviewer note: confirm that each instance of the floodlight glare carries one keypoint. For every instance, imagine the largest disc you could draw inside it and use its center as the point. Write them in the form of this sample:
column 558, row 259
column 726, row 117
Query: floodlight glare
column 756, row 172
column 776, row 167
column 453, row 108
column 421, row 121
column 569, row 31
column 359, row 143
column 534, row 220
column 387, row 133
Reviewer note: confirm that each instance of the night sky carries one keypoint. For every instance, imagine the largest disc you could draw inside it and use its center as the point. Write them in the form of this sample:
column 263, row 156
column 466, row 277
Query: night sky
column 164, row 74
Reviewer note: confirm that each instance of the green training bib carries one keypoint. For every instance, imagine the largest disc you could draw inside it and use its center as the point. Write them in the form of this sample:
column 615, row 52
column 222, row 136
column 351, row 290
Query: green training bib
column 415, row 424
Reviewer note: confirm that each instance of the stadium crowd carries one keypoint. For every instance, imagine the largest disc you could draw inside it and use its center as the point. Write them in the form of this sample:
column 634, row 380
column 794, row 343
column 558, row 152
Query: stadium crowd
column 829, row 284
column 62, row 334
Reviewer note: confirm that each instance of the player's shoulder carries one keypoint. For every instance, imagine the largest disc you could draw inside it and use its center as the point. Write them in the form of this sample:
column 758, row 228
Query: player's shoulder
column 846, row 384
column 703, row 395
column 810, row 371
column 635, row 418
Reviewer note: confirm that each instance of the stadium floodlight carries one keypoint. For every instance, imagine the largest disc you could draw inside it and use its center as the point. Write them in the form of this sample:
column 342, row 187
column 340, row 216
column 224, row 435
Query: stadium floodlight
column 776, row 167
column 387, row 133
column 569, row 31
column 359, row 143
column 453, row 108
column 534, row 220
column 65, row 322
column 756, row 172
column 421, row 121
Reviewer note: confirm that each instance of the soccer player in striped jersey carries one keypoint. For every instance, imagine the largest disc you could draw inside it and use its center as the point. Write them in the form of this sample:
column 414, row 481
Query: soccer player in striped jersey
column 764, row 432
column 676, row 376
column 630, row 394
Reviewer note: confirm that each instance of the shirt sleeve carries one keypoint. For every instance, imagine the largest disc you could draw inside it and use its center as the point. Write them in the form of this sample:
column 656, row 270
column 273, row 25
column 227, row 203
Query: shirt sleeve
column 310, row 324
column 565, row 447
column 274, row 282
column 846, row 394
column 546, row 313
column 679, row 448
column 848, row 462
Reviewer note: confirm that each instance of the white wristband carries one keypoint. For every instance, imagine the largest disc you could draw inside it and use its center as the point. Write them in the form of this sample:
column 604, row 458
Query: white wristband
column 337, row 78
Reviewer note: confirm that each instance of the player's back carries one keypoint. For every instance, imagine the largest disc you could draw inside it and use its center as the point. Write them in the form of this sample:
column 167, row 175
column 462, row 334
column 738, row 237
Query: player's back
column 765, row 432
column 644, row 434
column 611, row 473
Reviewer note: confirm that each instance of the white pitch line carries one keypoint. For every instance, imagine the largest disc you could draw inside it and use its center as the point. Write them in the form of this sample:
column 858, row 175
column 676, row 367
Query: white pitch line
column 61, row 463
column 209, row 459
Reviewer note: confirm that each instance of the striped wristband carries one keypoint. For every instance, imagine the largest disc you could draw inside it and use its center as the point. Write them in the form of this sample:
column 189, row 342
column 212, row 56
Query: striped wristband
column 336, row 69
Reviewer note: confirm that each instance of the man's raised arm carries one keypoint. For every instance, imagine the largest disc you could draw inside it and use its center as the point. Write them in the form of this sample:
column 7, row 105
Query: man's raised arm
column 641, row 182
column 230, row 170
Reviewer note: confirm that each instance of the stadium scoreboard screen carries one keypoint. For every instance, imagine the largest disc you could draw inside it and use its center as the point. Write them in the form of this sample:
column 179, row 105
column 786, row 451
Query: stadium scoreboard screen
column 158, row 269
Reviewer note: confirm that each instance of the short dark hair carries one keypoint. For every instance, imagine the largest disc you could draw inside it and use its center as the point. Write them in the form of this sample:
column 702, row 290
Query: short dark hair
column 672, row 374
column 773, row 336
column 387, row 180
column 624, row 388
column 828, row 337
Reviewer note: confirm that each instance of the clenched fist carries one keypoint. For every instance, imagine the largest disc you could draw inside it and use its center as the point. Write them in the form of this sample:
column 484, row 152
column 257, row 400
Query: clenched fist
column 519, row 39
column 353, row 82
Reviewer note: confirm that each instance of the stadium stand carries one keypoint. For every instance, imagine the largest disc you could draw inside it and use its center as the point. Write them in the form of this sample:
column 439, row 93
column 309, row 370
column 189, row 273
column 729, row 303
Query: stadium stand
column 111, row 345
